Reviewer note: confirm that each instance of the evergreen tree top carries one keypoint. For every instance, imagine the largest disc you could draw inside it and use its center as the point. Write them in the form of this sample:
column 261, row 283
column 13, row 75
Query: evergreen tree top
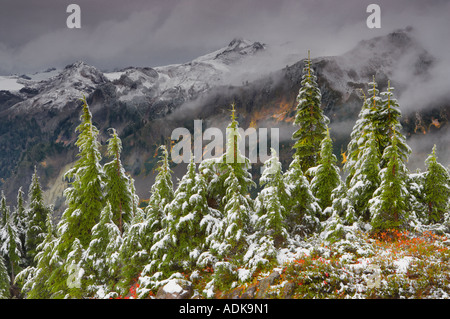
column 35, row 190
column 114, row 144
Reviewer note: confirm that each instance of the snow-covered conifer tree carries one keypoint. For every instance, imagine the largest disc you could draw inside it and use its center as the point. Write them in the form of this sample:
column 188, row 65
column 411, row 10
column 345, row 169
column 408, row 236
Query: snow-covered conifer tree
column 389, row 204
column 387, row 121
column 310, row 119
column 303, row 211
column 10, row 245
column 271, row 229
column 365, row 179
column 325, row 176
column 117, row 187
column 46, row 279
column 84, row 198
column 37, row 214
column 3, row 209
column 436, row 188
column 100, row 260
column 20, row 220
column 184, row 236
column 364, row 130
column 161, row 193
column 76, row 281
column 4, row 280
column 236, row 202
column 271, row 201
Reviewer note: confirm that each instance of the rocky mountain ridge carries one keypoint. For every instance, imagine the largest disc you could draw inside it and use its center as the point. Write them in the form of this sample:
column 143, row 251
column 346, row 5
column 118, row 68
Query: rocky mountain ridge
column 38, row 117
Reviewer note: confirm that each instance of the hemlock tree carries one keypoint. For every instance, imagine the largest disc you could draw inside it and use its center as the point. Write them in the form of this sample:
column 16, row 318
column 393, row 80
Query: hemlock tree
column 161, row 193
column 37, row 213
column 436, row 188
column 237, row 212
column 145, row 232
column 303, row 211
column 325, row 176
column 271, row 201
column 84, row 198
column 237, row 206
column 310, row 119
column 134, row 253
column 117, row 187
column 75, row 282
column 388, row 120
column 184, row 236
column 233, row 161
column 3, row 209
column 4, row 280
column 364, row 130
column 39, row 281
column 10, row 245
column 389, row 204
column 100, row 260
column 270, row 226
column 365, row 179
column 20, row 220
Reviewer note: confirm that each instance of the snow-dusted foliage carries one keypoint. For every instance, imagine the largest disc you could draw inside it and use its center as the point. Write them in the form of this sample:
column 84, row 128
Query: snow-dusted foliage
column 4, row 280
column 325, row 176
column 303, row 210
column 84, row 198
column 100, row 261
column 310, row 119
column 118, row 189
column 183, row 238
column 208, row 235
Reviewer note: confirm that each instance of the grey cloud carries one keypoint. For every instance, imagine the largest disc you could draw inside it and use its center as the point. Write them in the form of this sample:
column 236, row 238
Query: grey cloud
column 151, row 33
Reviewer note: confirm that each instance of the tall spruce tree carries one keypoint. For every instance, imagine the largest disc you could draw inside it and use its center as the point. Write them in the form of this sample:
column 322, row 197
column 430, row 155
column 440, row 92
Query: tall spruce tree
column 100, row 260
column 10, row 245
column 325, row 176
column 37, row 214
column 310, row 119
column 3, row 209
column 303, row 210
column 38, row 280
column 365, row 179
column 84, row 198
column 389, row 205
column 366, row 128
column 20, row 220
column 271, row 229
column 148, row 228
column 117, row 187
column 161, row 192
column 4, row 280
column 76, row 281
column 436, row 188
column 271, row 201
column 237, row 204
column 233, row 161
column 184, row 236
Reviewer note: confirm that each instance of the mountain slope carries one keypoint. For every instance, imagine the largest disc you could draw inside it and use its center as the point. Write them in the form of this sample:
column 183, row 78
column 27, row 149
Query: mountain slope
column 146, row 104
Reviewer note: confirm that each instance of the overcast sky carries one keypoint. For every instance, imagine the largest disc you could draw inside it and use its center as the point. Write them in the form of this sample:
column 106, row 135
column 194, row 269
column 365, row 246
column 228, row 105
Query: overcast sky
column 117, row 33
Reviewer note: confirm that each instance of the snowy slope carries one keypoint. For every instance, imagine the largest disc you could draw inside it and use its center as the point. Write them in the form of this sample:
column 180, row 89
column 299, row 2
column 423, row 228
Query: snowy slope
column 54, row 92
column 134, row 86
column 183, row 81
column 9, row 83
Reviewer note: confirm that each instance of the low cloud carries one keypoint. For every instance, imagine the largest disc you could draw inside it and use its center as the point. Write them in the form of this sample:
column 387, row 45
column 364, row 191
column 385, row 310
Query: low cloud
column 152, row 33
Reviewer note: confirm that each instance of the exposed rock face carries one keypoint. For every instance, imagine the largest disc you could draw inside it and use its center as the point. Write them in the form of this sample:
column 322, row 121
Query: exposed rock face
column 175, row 289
